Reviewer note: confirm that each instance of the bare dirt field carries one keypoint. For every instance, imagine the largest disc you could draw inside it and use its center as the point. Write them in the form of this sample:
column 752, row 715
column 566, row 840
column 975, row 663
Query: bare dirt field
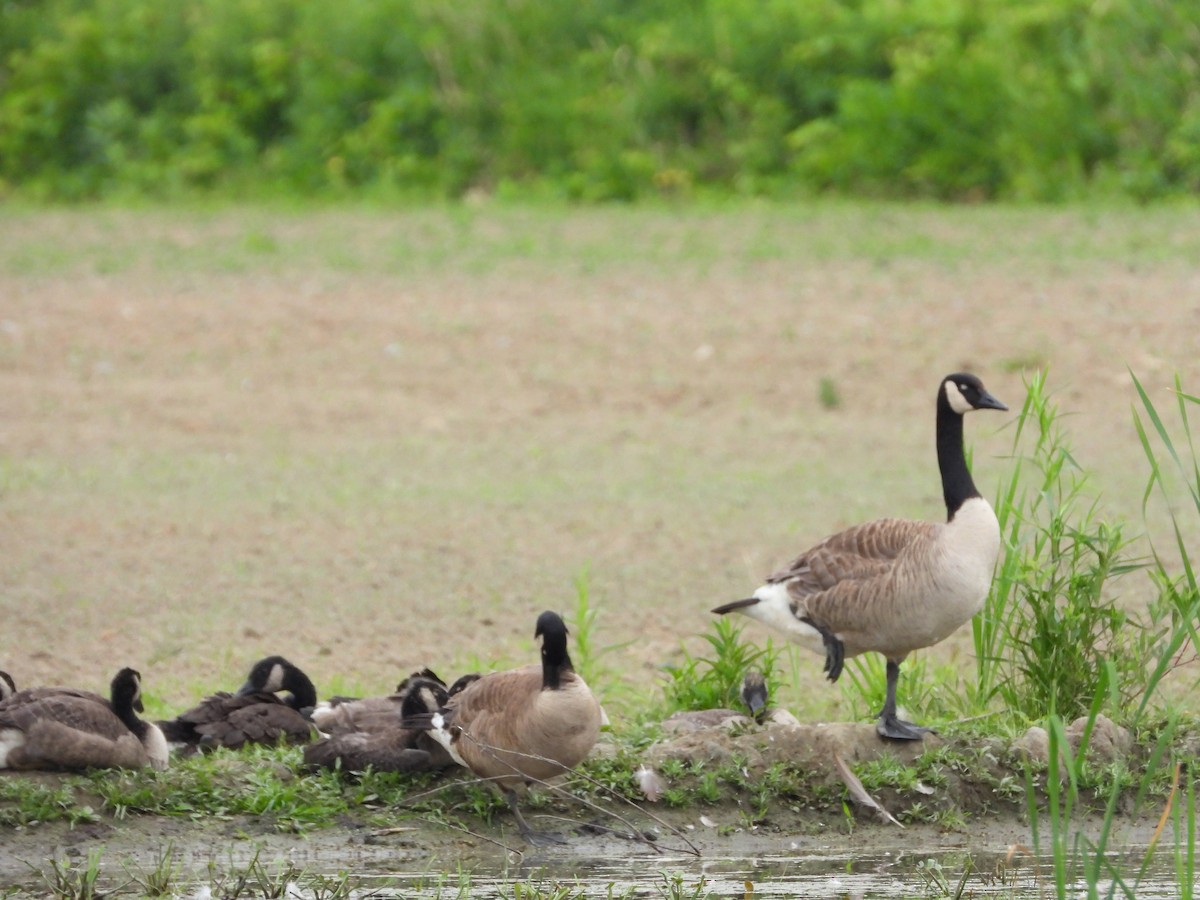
column 374, row 440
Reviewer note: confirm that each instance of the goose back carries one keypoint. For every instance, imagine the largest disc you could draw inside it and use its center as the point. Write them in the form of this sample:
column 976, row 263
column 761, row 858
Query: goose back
column 256, row 714
column 506, row 727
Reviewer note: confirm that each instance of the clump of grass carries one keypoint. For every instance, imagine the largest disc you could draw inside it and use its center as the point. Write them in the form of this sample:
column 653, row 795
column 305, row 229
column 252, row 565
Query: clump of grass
column 66, row 880
column 27, row 803
column 1053, row 618
column 160, row 880
column 828, row 394
column 712, row 682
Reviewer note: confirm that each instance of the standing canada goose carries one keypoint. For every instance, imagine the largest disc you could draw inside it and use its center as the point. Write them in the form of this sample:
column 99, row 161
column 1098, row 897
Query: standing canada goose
column 256, row 714
column 65, row 728
column 893, row 585
column 522, row 725
column 389, row 746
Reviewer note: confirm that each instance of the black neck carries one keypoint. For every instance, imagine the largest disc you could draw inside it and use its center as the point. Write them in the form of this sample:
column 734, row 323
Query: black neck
column 555, row 663
column 129, row 718
column 303, row 692
column 957, row 486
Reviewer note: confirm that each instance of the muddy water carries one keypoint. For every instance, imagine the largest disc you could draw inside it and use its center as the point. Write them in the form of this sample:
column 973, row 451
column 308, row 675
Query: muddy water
column 903, row 874
column 991, row 860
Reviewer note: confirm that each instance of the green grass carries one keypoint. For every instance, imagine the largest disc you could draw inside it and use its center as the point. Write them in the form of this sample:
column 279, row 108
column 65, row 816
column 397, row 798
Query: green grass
column 367, row 239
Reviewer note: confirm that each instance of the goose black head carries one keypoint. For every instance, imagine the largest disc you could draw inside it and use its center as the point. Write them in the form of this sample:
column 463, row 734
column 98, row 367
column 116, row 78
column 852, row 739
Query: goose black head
column 126, row 691
column 422, row 696
column 964, row 392
column 274, row 674
column 8, row 687
column 462, row 682
column 754, row 693
column 555, row 659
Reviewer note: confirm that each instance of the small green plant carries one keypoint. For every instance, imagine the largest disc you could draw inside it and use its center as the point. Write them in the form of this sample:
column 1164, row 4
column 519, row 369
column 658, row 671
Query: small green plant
column 159, row 881
column 255, row 880
column 675, row 887
column 73, row 881
column 330, row 887
column 828, row 394
column 715, row 681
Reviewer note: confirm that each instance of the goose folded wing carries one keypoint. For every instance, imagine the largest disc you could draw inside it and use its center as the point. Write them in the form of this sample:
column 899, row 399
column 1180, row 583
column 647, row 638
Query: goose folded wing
column 860, row 553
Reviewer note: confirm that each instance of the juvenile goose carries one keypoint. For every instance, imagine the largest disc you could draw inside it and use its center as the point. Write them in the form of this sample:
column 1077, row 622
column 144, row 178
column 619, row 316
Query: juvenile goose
column 391, row 747
column 753, row 695
column 65, row 728
column 256, row 714
column 893, row 585
column 523, row 725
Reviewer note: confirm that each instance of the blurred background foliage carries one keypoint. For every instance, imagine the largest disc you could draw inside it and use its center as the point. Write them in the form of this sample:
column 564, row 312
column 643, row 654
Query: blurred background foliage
column 596, row 100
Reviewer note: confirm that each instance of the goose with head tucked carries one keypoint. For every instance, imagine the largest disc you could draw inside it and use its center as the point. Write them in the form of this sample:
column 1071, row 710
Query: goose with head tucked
column 72, row 729
column 522, row 726
column 386, row 745
column 256, row 714
column 350, row 715
column 893, row 585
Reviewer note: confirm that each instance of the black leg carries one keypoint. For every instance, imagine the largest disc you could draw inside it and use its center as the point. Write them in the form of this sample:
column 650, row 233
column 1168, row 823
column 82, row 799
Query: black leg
column 889, row 726
column 536, row 838
column 835, row 650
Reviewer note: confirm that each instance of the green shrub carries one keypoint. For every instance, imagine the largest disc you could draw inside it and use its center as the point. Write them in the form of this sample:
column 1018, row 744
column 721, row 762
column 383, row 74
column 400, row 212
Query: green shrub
column 601, row 99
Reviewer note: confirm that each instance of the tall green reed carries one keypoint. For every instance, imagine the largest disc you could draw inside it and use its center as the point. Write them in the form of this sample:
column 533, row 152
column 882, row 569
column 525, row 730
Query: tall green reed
column 1053, row 618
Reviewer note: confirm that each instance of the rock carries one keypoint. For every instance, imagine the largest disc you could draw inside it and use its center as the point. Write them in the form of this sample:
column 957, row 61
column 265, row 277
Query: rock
column 1108, row 742
column 1034, row 745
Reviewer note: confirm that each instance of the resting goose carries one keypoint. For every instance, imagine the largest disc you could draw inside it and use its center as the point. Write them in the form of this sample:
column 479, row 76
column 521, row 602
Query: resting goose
column 256, row 714
column 349, row 715
column 389, row 746
column 66, row 728
column 522, row 725
column 753, row 695
column 893, row 585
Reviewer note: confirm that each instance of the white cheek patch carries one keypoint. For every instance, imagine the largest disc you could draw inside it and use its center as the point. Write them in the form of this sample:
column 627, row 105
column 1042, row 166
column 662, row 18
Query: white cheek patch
column 275, row 682
column 955, row 398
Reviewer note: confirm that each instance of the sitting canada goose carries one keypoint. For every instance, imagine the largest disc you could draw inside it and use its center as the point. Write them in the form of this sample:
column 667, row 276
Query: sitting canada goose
column 522, row 725
column 65, row 728
column 389, row 747
column 893, row 585
column 8, row 687
column 349, row 715
column 753, row 694
column 256, row 714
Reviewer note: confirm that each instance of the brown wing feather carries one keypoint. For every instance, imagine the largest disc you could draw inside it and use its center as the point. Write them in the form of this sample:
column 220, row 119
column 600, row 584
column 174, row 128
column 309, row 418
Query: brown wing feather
column 75, row 710
column 833, row 582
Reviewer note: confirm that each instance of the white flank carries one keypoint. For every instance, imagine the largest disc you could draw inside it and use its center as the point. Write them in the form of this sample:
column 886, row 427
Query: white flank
column 774, row 609
column 156, row 747
column 10, row 739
